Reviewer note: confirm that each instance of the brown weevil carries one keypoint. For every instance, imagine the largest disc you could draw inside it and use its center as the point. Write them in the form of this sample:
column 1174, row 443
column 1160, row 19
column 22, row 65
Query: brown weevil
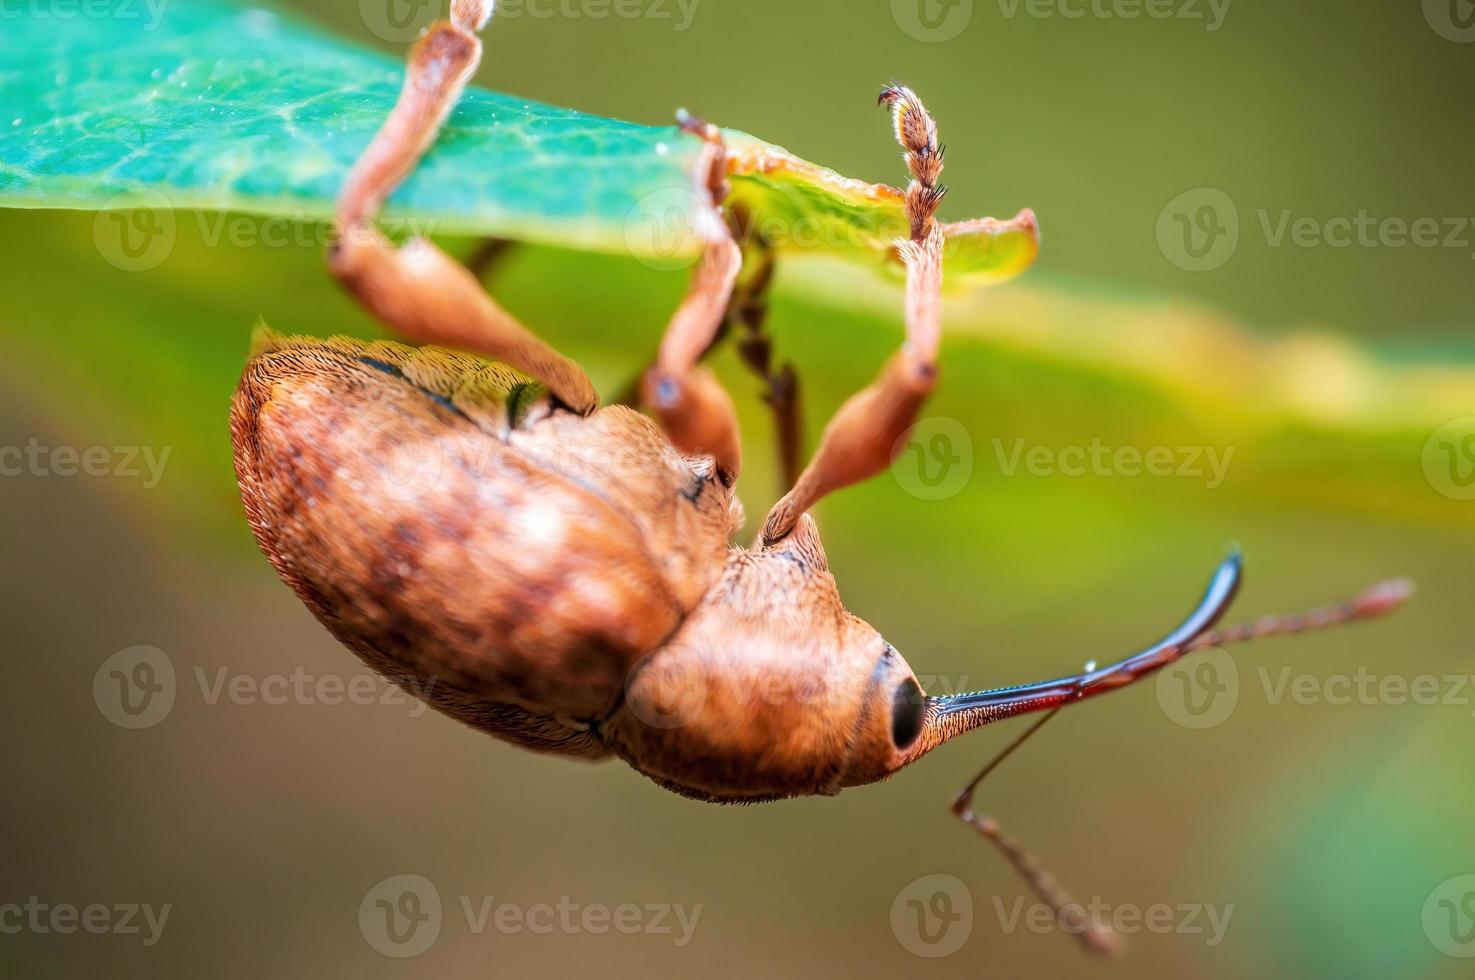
column 561, row 575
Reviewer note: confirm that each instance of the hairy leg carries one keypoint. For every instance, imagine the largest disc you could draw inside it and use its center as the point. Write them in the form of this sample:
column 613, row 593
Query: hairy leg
column 748, row 310
column 418, row 290
column 866, row 433
column 781, row 387
column 691, row 405
column 488, row 254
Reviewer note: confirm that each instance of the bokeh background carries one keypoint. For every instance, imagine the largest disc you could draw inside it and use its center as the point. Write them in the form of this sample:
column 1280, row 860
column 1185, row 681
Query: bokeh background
column 1334, row 835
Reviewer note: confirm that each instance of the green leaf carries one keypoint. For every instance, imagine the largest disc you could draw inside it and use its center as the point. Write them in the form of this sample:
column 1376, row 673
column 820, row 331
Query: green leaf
column 203, row 105
column 799, row 206
column 150, row 358
column 217, row 109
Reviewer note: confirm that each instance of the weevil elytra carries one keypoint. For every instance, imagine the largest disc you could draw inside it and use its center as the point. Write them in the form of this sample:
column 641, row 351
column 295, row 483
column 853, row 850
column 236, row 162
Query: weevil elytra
column 561, row 575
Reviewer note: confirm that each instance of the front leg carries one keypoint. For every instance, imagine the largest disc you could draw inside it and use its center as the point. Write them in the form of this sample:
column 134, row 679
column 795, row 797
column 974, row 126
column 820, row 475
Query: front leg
column 867, row 432
column 418, row 290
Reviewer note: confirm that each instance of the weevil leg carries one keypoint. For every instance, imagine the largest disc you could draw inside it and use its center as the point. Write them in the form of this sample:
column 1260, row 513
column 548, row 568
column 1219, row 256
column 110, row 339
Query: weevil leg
column 691, row 405
column 418, row 290
column 867, row 432
column 488, row 254
column 749, row 311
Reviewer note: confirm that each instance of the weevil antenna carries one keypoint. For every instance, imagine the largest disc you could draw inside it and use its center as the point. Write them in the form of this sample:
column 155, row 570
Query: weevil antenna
column 1095, row 937
column 998, row 760
column 952, row 716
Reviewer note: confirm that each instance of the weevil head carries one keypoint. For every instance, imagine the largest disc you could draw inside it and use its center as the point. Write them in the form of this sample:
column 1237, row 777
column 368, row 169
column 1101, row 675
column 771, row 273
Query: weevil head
column 771, row 688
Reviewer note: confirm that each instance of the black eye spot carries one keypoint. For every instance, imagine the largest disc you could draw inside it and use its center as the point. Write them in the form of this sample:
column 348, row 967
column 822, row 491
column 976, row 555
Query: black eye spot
column 906, row 713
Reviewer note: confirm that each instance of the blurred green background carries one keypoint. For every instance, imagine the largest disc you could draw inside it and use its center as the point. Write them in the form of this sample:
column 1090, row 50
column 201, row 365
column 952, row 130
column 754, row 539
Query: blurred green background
column 1330, row 373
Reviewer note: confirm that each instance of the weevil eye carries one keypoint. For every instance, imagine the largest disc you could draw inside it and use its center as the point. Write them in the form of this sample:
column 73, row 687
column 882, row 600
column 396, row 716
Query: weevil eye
column 906, row 713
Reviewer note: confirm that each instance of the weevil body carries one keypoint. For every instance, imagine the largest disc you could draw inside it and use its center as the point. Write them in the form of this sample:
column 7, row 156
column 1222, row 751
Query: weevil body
column 562, row 582
column 560, row 575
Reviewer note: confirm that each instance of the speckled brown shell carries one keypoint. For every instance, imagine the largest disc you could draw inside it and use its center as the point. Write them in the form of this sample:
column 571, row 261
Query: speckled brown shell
column 451, row 526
